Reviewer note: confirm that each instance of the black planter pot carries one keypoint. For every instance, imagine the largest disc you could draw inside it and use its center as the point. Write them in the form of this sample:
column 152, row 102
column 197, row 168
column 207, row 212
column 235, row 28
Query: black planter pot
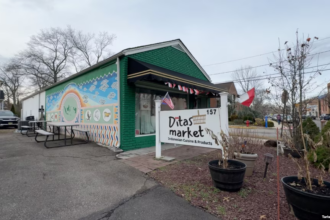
column 306, row 206
column 227, row 179
column 294, row 153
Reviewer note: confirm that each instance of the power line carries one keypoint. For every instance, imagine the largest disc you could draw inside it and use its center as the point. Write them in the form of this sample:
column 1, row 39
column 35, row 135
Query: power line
column 261, row 77
column 244, row 58
column 260, row 65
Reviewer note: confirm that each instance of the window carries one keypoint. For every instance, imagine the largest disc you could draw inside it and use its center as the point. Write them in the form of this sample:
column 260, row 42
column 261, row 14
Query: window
column 145, row 108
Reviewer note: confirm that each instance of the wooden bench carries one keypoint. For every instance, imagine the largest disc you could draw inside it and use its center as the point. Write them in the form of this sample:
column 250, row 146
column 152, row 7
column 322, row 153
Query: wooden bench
column 83, row 131
column 44, row 133
column 26, row 127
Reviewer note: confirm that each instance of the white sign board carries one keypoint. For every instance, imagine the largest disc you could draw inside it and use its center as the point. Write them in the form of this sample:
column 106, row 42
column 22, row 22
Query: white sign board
column 197, row 127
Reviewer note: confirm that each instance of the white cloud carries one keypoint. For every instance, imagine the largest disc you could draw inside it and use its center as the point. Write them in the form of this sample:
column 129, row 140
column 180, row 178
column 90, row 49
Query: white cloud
column 114, row 85
column 92, row 88
column 111, row 95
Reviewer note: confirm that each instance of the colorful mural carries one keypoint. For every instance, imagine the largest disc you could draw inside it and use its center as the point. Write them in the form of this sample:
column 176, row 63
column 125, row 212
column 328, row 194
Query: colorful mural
column 91, row 101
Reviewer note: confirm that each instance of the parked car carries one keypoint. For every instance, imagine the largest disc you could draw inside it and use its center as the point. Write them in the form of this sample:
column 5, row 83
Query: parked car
column 326, row 117
column 274, row 117
column 303, row 117
column 322, row 116
column 286, row 118
column 8, row 119
column 311, row 116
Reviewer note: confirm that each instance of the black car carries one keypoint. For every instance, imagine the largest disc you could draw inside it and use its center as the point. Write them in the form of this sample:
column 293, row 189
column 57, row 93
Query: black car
column 8, row 119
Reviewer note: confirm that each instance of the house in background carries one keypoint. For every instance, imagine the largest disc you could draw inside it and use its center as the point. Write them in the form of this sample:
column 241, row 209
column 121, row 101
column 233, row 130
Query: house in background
column 227, row 86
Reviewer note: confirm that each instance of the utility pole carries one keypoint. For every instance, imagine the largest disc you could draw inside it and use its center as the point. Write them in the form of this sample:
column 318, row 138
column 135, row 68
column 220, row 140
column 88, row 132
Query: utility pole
column 2, row 96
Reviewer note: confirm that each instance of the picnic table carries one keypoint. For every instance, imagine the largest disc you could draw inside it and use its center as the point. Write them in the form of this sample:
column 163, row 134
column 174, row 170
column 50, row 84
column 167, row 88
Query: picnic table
column 58, row 126
column 35, row 124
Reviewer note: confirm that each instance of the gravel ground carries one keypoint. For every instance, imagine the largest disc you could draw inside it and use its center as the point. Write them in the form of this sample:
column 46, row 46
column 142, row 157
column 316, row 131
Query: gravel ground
column 257, row 199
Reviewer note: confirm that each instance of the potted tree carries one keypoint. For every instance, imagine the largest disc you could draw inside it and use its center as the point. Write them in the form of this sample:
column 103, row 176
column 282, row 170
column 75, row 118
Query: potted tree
column 247, row 144
column 309, row 197
column 227, row 174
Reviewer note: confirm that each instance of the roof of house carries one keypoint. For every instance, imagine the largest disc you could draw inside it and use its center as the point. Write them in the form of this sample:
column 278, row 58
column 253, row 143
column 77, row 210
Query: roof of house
column 177, row 43
column 228, row 86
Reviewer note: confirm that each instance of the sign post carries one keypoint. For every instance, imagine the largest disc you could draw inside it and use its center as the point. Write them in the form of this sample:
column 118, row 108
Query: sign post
column 158, row 143
column 224, row 112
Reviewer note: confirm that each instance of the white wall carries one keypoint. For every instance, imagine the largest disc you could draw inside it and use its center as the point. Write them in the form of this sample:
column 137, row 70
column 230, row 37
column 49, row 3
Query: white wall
column 31, row 106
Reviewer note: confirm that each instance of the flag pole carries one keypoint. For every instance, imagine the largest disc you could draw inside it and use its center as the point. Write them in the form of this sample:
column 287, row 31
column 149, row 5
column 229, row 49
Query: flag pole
column 164, row 97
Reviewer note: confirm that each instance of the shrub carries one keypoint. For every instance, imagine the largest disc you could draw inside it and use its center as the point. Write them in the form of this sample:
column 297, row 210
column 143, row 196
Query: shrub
column 238, row 121
column 270, row 124
column 310, row 128
column 324, row 131
column 233, row 117
column 259, row 122
column 249, row 117
column 323, row 157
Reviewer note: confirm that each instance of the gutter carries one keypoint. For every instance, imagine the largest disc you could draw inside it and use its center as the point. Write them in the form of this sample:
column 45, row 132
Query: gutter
column 118, row 92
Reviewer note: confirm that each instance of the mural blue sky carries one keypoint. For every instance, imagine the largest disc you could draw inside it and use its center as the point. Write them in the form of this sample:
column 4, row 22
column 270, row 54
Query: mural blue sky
column 101, row 91
column 214, row 31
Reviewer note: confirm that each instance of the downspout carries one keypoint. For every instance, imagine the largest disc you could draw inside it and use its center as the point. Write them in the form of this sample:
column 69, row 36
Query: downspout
column 38, row 106
column 118, row 92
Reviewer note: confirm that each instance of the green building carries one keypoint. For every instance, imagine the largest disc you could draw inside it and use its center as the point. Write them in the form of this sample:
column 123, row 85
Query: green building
column 114, row 99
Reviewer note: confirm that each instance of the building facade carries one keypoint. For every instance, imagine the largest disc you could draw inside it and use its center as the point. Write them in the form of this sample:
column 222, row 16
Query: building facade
column 114, row 99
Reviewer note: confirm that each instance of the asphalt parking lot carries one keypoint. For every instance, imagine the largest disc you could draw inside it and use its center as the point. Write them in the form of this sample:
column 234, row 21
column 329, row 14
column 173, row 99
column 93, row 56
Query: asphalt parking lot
column 79, row 182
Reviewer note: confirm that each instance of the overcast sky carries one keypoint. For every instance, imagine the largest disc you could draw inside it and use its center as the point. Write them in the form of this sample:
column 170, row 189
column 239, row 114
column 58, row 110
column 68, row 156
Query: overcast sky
column 214, row 31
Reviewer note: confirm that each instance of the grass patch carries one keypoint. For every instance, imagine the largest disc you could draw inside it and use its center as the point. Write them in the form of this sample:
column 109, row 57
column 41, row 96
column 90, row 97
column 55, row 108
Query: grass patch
column 244, row 193
column 221, row 210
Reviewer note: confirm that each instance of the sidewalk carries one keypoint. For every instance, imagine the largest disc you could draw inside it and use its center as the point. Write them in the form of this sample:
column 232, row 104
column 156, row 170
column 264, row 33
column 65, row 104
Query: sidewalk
column 145, row 161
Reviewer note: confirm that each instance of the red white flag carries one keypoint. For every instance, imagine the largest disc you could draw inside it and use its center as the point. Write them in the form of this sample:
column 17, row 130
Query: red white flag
column 167, row 99
column 179, row 87
column 169, row 84
column 191, row 91
column 173, row 85
column 247, row 98
column 196, row 92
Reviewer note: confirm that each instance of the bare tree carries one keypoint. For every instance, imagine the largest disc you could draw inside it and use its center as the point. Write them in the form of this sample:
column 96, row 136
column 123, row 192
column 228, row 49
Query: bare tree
column 55, row 53
column 247, row 78
column 12, row 77
column 89, row 48
column 290, row 65
column 46, row 57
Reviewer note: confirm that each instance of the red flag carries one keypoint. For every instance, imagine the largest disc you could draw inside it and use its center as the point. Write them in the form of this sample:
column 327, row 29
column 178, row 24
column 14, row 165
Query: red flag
column 247, row 98
column 174, row 85
column 191, row 91
column 196, row 92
